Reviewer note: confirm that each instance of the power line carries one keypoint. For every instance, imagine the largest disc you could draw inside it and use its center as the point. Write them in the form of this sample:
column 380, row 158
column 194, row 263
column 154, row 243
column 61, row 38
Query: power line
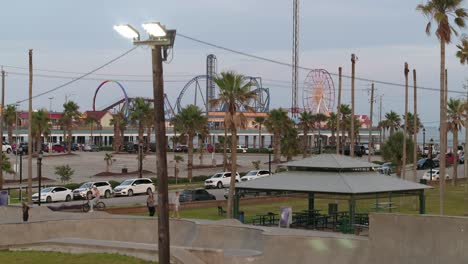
column 302, row 67
column 82, row 76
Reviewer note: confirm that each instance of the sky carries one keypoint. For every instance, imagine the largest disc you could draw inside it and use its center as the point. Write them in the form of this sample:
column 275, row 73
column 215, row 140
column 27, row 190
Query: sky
column 78, row 36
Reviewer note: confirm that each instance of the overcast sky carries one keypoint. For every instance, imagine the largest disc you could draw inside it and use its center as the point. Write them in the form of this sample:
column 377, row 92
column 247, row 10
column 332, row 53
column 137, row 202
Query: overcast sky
column 77, row 36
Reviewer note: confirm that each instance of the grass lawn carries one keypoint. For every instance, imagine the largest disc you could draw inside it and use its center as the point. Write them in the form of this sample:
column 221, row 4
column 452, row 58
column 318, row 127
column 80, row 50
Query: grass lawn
column 36, row 257
column 454, row 205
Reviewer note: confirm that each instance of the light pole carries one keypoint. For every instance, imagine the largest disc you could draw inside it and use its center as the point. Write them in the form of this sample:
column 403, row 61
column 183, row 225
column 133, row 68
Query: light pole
column 269, row 161
column 51, row 125
column 160, row 40
column 320, row 145
column 424, row 140
column 17, row 139
column 140, row 160
column 20, row 149
column 431, row 143
column 39, row 174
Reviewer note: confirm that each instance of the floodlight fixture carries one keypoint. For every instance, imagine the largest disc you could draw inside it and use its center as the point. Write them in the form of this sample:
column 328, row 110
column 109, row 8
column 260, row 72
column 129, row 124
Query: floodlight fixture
column 127, row 31
column 155, row 29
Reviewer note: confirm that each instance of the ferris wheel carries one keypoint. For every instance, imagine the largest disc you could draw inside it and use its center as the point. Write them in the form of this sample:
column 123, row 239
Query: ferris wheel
column 319, row 92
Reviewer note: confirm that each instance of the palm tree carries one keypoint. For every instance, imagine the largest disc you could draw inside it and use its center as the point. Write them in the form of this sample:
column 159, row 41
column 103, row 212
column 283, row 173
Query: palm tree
column 109, row 161
column 454, row 115
column 411, row 129
column 319, row 118
column 345, row 112
column 149, row 122
column 119, row 123
column 393, row 121
column 70, row 114
column 234, row 94
column 91, row 121
column 440, row 11
column 138, row 115
column 306, row 123
column 462, row 52
column 259, row 120
column 276, row 123
column 10, row 120
column 383, row 125
column 331, row 124
column 189, row 121
column 290, row 141
column 40, row 126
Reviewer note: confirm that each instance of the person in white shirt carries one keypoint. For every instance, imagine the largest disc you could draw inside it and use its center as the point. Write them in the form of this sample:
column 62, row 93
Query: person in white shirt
column 96, row 195
column 176, row 203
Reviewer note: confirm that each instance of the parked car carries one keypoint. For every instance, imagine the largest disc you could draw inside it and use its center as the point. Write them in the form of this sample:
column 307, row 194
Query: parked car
column 255, row 174
column 386, row 168
column 435, row 175
column 152, row 146
column 425, row 163
column 23, row 146
column 74, row 146
column 53, row 194
column 104, row 187
column 134, row 186
column 91, row 148
column 181, row 148
column 220, row 180
column 449, row 158
column 359, row 150
column 6, row 147
column 58, row 148
column 195, row 195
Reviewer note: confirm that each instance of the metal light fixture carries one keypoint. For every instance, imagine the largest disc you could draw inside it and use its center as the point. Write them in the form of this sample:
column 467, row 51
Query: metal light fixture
column 39, row 175
column 155, row 29
column 127, row 31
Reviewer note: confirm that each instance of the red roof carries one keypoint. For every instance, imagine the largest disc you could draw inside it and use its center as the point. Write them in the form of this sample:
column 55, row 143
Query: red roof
column 96, row 114
column 56, row 115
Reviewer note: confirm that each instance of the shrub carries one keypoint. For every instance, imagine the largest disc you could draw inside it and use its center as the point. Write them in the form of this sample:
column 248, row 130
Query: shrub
column 114, row 183
column 65, row 173
column 73, row 186
column 106, row 148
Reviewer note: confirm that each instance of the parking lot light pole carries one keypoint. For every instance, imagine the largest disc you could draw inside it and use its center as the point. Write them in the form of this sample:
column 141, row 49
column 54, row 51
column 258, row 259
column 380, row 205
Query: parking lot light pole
column 39, row 175
column 160, row 40
column 431, row 143
column 20, row 149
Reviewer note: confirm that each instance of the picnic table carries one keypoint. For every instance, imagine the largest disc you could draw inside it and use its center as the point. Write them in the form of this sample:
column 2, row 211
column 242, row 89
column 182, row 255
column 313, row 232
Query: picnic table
column 265, row 219
column 384, row 206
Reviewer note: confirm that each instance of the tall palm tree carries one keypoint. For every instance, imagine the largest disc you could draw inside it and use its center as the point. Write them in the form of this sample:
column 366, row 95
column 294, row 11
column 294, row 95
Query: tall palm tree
column 10, row 120
column 290, row 141
column 440, row 11
column 70, row 114
column 306, row 123
column 188, row 122
column 462, row 52
column 319, row 118
column 345, row 112
column 119, row 123
column 108, row 159
column 455, row 111
column 383, row 125
column 411, row 129
column 90, row 121
column 331, row 124
column 138, row 115
column 276, row 123
column 234, row 94
column 40, row 126
column 259, row 120
column 393, row 121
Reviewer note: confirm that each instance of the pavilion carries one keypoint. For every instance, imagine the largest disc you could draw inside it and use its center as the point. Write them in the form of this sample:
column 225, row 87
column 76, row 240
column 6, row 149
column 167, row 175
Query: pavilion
column 331, row 176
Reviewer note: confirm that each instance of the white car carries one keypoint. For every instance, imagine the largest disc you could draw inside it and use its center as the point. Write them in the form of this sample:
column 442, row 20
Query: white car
column 134, row 186
column 255, row 174
column 84, row 191
column 435, row 175
column 53, row 194
column 6, row 147
column 220, row 180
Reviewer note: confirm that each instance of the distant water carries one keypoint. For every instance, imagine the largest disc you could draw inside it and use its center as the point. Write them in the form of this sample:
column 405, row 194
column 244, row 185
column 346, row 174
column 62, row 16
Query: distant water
column 433, row 132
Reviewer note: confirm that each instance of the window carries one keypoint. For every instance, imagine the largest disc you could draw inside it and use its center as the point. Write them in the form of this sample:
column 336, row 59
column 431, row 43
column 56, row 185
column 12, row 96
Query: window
column 59, row 189
column 199, row 192
column 146, row 181
column 227, row 175
column 137, row 182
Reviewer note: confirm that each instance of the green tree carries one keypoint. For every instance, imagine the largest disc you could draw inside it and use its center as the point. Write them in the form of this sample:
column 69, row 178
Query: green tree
column 331, row 124
column 306, row 123
column 462, row 52
column 138, row 115
column 455, row 112
column 258, row 121
column 439, row 11
column 411, row 129
column 70, row 114
column 40, row 126
column 108, row 159
column 256, row 164
column 393, row 121
column 345, row 112
column 119, row 123
column 276, row 123
column 64, row 172
column 6, row 165
column 392, row 150
column 290, row 142
column 10, row 120
column 188, row 122
column 234, row 95
column 91, row 121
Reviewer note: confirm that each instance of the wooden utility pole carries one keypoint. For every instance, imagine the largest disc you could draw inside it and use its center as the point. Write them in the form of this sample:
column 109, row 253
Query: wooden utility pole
column 2, row 120
column 30, row 146
column 353, row 63
column 371, row 141
column 338, row 114
column 380, row 122
column 403, row 169
column 416, row 128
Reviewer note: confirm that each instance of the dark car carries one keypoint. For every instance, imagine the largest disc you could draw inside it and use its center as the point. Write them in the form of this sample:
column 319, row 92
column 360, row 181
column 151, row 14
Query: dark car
column 359, row 150
column 424, row 164
column 23, row 146
column 74, row 146
column 58, row 148
column 181, row 148
column 195, row 195
column 152, row 146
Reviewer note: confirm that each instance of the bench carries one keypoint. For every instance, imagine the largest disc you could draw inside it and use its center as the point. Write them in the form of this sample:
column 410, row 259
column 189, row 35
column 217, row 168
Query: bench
column 221, row 211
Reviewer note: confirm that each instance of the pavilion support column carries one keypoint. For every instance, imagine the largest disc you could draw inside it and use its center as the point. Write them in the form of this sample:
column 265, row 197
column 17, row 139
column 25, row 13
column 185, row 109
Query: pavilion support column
column 246, row 139
column 235, row 206
column 422, row 202
column 352, row 210
column 311, row 201
column 254, row 141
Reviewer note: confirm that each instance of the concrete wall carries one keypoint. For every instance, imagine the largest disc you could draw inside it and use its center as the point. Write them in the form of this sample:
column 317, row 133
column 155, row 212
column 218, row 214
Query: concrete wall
column 396, row 238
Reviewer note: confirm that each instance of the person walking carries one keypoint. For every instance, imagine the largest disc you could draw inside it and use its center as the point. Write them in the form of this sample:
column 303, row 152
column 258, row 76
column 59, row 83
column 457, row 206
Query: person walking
column 151, row 203
column 25, row 212
column 96, row 195
column 176, row 204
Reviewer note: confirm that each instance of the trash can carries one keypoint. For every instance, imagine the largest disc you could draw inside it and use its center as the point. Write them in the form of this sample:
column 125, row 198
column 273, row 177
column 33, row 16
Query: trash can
column 422, row 181
column 241, row 216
